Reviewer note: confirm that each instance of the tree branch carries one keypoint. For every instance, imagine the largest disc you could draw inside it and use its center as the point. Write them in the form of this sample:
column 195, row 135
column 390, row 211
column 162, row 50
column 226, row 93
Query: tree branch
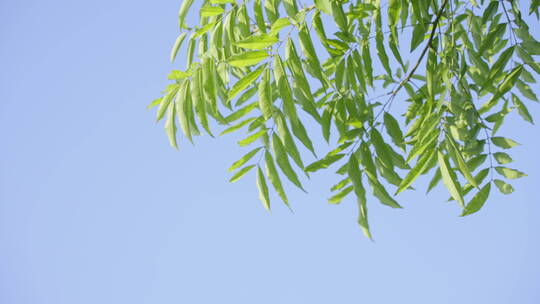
column 424, row 52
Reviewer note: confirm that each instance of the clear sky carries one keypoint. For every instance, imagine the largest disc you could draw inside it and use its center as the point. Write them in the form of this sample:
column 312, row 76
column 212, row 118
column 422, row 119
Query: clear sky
column 95, row 207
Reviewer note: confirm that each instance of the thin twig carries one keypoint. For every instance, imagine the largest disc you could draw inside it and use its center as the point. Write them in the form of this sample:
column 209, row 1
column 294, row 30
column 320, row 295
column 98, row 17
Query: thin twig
column 428, row 45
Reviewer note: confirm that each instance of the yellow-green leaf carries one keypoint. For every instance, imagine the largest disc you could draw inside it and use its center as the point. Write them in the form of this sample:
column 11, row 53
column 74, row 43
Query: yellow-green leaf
column 503, row 187
column 241, row 173
column 449, row 178
column 504, row 143
column 247, row 59
column 258, row 42
column 477, row 201
column 209, row 11
column 510, row 173
column 239, row 163
column 263, row 189
column 273, row 176
column 177, row 45
column 265, row 95
column 252, row 138
column 245, row 82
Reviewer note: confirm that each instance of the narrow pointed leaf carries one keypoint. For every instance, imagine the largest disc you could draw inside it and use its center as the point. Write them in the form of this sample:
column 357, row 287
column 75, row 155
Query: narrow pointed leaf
column 503, row 187
column 247, row 58
column 238, row 175
column 449, row 178
column 263, row 189
column 239, row 163
column 477, row 201
column 273, row 176
column 283, row 161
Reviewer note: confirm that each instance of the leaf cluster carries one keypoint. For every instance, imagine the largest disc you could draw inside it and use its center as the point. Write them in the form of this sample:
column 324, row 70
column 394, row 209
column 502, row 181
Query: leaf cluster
column 455, row 70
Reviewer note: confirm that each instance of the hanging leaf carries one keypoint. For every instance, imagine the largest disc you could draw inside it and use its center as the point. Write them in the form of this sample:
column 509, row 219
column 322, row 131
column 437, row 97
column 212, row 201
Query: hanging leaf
column 245, row 82
column 509, row 173
column 239, row 163
column 356, row 178
column 247, row 59
column 263, row 189
column 449, row 178
column 241, row 173
column 258, row 42
column 253, row 137
column 502, row 158
column 504, row 143
column 503, row 187
column 283, row 161
column 273, row 176
column 478, row 201
column 170, row 125
column 209, row 11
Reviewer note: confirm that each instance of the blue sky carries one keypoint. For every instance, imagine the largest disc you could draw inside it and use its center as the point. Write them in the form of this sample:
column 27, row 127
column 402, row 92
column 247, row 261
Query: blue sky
column 95, row 207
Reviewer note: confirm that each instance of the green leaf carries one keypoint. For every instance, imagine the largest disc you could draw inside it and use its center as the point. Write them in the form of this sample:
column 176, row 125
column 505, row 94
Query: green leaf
column 324, row 5
column 381, row 148
column 284, row 89
column 392, row 128
column 449, row 178
column 502, row 158
column 273, row 176
column 265, row 95
column 184, row 9
column 478, row 201
column 263, row 189
column 300, row 132
column 209, row 11
column 458, row 159
column 178, row 75
column 222, row 1
column 324, row 162
column 522, row 109
column 416, row 171
column 239, row 163
column 154, row 103
column 339, row 16
column 288, row 141
column 311, row 55
column 241, row 173
column 418, row 36
column 380, row 192
column 250, row 139
column 290, row 7
column 532, row 47
column 238, row 126
column 434, row 180
column 198, row 99
column 177, row 45
column 278, row 25
column 258, row 42
column 283, row 161
column 241, row 112
column 526, row 90
column 247, row 59
column 245, row 82
column 338, row 197
column 504, row 143
column 509, row 173
column 184, row 109
column 170, row 125
column 164, row 104
column 259, row 15
column 356, row 178
column 504, row 188
column 201, row 31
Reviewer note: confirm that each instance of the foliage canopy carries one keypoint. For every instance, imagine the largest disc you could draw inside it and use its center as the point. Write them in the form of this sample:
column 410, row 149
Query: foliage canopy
column 454, row 68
